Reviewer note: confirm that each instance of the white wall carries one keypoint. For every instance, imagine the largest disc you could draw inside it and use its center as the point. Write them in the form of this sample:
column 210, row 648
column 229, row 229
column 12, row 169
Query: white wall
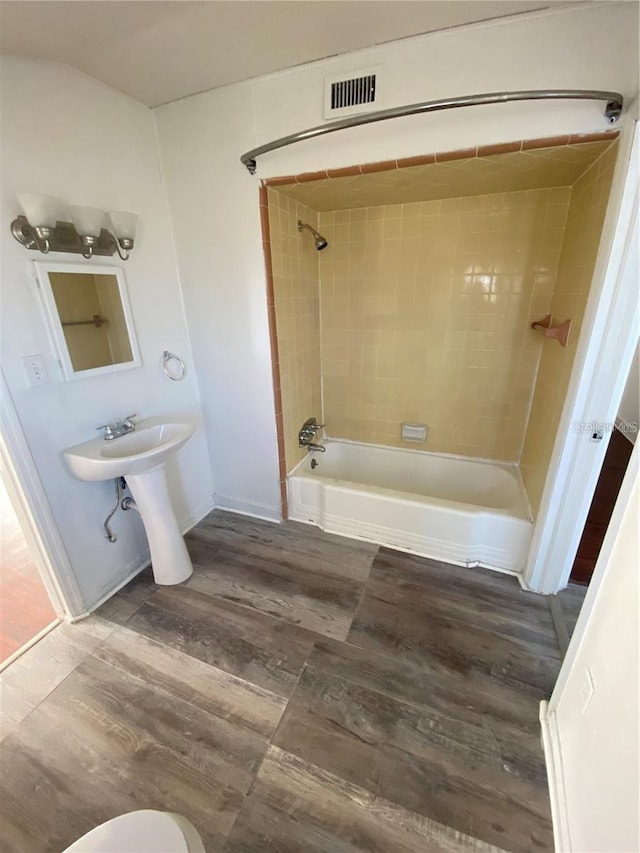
column 596, row 776
column 629, row 411
column 67, row 135
column 214, row 201
column 218, row 239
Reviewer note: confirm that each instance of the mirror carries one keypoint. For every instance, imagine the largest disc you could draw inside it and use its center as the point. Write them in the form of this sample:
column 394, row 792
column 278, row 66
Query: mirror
column 89, row 317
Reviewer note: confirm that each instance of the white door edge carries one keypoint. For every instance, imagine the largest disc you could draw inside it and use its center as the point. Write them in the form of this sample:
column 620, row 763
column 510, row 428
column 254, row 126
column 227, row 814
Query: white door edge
column 33, row 510
column 603, row 359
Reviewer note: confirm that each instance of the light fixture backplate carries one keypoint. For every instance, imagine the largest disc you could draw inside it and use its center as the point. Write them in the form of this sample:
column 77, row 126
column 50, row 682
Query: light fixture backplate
column 63, row 238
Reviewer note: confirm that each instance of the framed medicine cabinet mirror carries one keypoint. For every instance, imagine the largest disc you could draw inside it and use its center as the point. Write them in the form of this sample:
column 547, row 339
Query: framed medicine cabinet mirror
column 89, row 318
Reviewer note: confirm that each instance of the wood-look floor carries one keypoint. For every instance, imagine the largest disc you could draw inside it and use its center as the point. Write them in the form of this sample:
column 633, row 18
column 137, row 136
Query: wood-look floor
column 565, row 607
column 301, row 692
column 25, row 608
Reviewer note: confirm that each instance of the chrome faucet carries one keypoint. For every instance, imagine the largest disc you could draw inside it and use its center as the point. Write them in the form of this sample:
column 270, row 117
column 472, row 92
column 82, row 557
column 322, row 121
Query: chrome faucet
column 115, row 430
column 307, row 433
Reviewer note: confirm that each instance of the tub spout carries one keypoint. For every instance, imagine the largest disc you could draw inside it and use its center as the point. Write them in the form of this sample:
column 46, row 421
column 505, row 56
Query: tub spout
column 311, row 446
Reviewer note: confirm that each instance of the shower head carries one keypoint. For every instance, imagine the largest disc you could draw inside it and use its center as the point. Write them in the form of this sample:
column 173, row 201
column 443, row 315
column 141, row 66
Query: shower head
column 321, row 243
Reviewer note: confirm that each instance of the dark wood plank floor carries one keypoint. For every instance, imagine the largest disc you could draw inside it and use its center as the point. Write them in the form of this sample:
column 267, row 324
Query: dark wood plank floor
column 571, row 600
column 565, row 607
column 301, row 692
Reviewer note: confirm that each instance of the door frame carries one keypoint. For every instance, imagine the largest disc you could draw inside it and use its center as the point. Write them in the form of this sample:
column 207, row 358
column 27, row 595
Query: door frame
column 549, row 709
column 34, row 513
column 603, row 360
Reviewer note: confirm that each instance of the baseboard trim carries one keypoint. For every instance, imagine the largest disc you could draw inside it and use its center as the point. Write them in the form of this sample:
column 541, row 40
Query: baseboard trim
column 555, row 778
column 203, row 509
column 138, row 566
column 242, row 507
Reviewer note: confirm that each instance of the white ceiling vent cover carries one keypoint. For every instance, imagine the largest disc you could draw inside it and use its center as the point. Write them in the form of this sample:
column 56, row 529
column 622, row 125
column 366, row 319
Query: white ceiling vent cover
column 352, row 93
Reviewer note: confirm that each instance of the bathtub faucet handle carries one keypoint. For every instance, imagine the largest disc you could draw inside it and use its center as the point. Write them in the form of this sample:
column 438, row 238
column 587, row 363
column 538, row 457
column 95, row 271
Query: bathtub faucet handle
column 307, row 434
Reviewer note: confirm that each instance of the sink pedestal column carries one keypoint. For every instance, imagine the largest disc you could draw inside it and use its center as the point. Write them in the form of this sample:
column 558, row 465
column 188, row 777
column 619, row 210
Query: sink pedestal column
column 169, row 556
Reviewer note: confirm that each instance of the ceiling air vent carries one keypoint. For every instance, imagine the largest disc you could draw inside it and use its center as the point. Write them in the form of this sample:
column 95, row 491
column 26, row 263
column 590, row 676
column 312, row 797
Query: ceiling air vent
column 357, row 93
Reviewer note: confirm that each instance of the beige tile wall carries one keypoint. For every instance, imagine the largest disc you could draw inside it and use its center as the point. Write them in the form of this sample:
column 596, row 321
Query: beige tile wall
column 522, row 166
column 425, row 317
column 294, row 261
column 582, row 237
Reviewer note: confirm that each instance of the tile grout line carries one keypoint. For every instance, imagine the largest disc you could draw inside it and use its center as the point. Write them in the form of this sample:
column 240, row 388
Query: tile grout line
column 457, row 616
column 362, row 594
column 559, row 624
column 222, row 600
column 361, row 785
column 142, row 680
column 164, row 691
column 85, row 655
column 270, row 741
column 548, row 652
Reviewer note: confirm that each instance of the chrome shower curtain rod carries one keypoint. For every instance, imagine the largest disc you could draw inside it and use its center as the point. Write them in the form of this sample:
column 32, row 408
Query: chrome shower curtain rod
column 612, row 111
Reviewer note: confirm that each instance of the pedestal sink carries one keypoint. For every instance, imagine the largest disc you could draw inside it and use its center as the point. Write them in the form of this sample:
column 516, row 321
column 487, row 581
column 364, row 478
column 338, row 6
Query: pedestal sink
column 140, row 456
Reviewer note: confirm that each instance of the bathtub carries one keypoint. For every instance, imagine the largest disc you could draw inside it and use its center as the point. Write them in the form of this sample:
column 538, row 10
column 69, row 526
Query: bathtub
column 464, row 511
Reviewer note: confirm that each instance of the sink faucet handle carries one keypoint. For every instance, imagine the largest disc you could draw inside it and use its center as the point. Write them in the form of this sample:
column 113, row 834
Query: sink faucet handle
column 129, row 418
column 108, row 430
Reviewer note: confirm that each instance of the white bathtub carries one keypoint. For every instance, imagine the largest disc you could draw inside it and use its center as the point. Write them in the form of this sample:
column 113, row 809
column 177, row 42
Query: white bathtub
column 458, row 510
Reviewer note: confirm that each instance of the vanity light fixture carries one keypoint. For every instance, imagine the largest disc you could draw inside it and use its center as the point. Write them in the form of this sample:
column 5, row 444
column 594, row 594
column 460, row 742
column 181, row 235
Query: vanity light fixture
column 44, row 227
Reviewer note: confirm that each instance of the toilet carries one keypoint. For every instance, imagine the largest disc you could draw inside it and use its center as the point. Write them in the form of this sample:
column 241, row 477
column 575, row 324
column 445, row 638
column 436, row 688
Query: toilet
column 145, row 831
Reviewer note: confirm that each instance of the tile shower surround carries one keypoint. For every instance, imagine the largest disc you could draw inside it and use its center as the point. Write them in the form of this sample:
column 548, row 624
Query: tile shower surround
column 294, row 261
column 444, row 156
column 553, row 200
column 425, row 311
column 589, row 198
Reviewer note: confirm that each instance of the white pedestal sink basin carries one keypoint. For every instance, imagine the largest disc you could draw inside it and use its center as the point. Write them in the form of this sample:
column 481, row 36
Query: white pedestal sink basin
column 140, row 456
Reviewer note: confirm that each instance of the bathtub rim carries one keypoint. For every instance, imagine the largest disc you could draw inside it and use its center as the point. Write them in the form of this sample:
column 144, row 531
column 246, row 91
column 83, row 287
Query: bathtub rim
column 515, row 466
